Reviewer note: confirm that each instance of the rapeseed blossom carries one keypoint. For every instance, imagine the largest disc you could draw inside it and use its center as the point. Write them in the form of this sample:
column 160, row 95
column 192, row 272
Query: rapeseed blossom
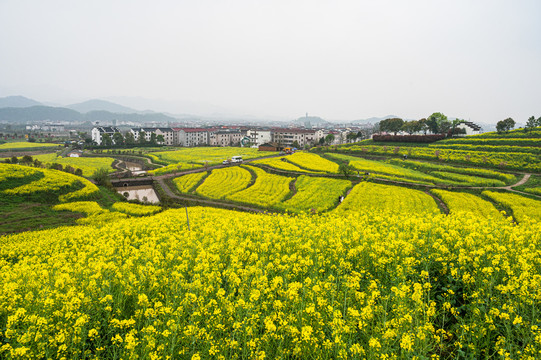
column 371, row 284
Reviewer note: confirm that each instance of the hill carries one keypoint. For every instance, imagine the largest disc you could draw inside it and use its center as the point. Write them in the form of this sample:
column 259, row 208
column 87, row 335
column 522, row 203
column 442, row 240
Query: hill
column 100, row 105
column 17, row 102
column 310, row 121
column 38, row 113
column 60, row 114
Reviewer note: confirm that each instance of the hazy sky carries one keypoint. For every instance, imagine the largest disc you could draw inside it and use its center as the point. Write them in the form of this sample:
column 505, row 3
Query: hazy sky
column 341, row 60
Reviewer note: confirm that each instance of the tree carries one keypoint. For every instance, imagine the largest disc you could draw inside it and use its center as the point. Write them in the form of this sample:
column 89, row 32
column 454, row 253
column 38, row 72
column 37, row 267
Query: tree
column 128, row 138
column 101, row 177
column 118, row 139
column 422, row 125
column 391, row 125
column 27, row 160
column 532, row 123
column 56, row 166
column 410, row 126
column 106, row 140
column 142, row 137
column 153, row 140
column 14, row 160
column 437, row 123
column 505, row 125
column 295, row 144
column 346, row 169
column 160, row 139
column 322, row 141
column 329, row 138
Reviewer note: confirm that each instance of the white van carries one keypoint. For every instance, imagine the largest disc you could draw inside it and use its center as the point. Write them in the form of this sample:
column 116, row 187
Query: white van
column 236, row 159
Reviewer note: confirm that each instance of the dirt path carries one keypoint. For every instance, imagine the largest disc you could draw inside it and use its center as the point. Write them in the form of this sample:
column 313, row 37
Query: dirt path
column 521, row 182
column 439, row 201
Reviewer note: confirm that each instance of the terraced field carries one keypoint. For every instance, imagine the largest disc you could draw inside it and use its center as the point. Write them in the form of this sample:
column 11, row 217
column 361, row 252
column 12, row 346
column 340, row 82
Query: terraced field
column 313, row 162
column 89, row 165
column 205, row 155
column 278, row 163
column 224, row 182
column 458, row 202
column 523, row 208
column 187, row 183
column 315, row 194
column 367, row 197
column 267, row 190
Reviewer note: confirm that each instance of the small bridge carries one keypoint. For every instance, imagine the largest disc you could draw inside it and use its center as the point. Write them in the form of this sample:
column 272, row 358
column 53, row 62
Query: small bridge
column 131, row 182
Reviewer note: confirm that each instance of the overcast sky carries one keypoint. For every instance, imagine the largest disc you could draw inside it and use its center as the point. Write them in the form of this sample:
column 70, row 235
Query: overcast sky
column 341, row 60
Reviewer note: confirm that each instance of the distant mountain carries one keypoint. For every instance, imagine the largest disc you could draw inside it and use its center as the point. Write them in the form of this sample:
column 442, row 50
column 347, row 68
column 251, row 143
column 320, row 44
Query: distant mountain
column 310, row 121
column 107, row 116
column 59, row 114
column 17, row 102
column 100, row 105
column 38, row 113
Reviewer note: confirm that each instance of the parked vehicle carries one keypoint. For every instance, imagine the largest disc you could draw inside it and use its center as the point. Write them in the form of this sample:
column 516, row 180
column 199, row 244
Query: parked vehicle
column 236, row 159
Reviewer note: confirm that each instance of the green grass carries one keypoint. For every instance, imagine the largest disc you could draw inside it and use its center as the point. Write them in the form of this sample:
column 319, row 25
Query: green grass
column 17, row 217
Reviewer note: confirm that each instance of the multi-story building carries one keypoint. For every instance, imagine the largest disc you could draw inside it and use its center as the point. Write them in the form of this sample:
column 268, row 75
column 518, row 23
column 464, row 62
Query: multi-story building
column 259, row 137
column 225, row 137
column 168, row 135
column 286, row 137
column 137, row 132
column 99, row 131
column 191, row 136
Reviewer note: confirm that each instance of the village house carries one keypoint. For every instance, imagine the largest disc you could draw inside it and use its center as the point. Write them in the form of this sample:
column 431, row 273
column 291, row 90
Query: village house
column 99, row 131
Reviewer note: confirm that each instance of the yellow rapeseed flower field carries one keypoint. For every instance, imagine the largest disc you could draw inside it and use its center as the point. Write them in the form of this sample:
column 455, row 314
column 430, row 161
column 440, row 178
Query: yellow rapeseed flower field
column 370, row 284
column 268, row 189
column 465, row 202
column 313, row 162
column 225, row 181
column 316, row 193
column 46, row 181
column 367, row 197
column 523, row 208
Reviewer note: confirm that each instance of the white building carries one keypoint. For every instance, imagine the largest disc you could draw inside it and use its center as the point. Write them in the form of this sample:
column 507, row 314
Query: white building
column 471, row 128
column 191, row 136
column 286, row 137
column 99, row 131
column 259, row 137
column 225, row 137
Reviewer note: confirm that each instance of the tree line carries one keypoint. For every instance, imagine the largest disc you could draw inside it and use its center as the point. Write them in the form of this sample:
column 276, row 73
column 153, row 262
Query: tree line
column 437, row 123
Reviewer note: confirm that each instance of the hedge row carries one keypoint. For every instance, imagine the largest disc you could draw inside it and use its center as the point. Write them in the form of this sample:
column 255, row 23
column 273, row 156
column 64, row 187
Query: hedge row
column 409, row 138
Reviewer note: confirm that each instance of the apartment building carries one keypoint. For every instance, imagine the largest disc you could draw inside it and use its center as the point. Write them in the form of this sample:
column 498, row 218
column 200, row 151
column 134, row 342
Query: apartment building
column 191, row 136
column 225, row 137
column 259, row 137
column 286, row 137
